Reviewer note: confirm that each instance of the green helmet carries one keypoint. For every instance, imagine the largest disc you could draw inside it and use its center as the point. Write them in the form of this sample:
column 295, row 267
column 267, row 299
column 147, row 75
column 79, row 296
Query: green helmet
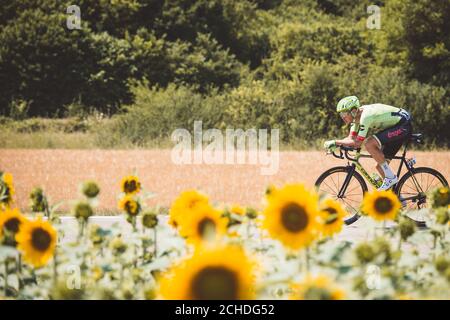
column 347, row 104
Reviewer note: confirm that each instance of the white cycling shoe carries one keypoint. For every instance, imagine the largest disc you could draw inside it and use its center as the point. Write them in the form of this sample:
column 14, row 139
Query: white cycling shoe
column 388, row 183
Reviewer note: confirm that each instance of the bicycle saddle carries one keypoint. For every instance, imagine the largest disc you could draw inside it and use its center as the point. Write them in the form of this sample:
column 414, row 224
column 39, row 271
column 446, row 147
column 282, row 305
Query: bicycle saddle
column 416, row 137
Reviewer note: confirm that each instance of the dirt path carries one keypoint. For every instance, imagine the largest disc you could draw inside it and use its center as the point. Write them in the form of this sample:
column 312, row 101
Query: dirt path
column 60, row 173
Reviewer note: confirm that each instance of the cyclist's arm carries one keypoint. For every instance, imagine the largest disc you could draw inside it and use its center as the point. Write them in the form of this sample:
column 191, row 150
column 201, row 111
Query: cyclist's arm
column 351, row 140
column 357, row 139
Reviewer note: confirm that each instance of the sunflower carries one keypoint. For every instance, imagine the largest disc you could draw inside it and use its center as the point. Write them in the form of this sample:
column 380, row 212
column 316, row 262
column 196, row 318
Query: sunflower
column 204, row 223
column 186, row 202
column 130, row 185
column 332, row 217
column 6, row 190
column 130, row 205
column 440, row 197
column 291, row 216
column 381, row 205
column 37, row 241
column 316, row 288
column 10, row 223
column 238, row 210
column 223, row 273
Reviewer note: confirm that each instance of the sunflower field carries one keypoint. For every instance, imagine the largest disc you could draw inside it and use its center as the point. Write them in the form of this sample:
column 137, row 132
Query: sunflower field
column 290, row 248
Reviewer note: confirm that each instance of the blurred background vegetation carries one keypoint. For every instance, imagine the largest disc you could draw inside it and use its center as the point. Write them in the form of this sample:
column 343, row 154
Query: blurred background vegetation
column 138, row 69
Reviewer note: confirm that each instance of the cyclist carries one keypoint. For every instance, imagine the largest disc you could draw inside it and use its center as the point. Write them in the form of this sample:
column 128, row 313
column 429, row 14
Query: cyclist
column 383, row 128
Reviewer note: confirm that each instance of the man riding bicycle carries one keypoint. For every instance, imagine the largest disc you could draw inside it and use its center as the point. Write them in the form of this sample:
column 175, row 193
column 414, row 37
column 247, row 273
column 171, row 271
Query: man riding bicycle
column 386, row 126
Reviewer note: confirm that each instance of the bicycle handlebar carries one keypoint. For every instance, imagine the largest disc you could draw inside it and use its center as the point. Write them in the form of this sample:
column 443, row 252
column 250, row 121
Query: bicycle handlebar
column 345, row 153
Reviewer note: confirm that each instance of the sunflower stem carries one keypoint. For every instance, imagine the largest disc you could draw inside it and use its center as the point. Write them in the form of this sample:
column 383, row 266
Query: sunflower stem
column 46, row 209
column 155, row 239
column 135, row 252
column 55, row 267
column 248, row 228
column 5, row 288
column 300, row 262
column 19, row 270
column 81, row 226
column 144, row 251
column 307, row 256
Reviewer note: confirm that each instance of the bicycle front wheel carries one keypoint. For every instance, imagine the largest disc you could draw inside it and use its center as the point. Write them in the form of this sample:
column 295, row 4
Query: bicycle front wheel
column 413, row 189
column 331, row 182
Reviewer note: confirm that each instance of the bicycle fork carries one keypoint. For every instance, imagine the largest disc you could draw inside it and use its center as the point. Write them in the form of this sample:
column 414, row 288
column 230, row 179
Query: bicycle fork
column 346, row 181
column 353, row 167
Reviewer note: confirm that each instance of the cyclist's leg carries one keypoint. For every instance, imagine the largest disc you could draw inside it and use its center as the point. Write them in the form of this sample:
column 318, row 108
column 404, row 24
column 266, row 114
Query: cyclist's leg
column 380, row 169
column 391, row 140
column 374, row 147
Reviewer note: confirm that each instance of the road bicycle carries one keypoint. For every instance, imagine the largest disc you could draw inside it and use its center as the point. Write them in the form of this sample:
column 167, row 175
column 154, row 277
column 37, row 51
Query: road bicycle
column 347, row 184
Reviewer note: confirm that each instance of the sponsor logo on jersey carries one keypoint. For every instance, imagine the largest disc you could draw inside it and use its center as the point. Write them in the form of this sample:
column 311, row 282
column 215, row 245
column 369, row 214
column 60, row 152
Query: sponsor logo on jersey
column 394, row 133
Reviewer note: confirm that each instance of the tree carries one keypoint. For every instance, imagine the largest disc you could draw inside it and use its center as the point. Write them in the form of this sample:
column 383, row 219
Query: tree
column 44, row 63
column 417, row 34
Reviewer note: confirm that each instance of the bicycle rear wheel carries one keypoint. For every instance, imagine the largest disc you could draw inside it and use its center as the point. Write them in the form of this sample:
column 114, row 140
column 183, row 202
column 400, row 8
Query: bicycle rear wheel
column 330, row 183
column 413, row 188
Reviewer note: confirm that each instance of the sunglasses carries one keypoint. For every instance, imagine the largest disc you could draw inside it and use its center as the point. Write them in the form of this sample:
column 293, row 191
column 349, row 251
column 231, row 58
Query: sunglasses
column 344, row 114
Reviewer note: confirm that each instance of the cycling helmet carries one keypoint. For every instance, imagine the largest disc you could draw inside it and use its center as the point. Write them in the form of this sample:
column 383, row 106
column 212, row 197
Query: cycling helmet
column 347, row 104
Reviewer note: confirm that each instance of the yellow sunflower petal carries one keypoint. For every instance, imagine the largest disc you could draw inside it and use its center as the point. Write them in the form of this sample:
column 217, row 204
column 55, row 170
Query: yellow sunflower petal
column 204, row 223
column 37, row 241
column 332, row 217
column 381, row 205
column 186, row 202
column 223, row 273
column 316, row 288
column 291, row 216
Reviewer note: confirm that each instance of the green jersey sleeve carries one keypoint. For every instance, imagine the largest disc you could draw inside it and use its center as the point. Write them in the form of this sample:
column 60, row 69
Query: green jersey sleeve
column 354, row 128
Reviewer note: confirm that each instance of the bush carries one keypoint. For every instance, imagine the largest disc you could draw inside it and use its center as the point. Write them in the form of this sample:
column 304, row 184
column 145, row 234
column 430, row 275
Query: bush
column 49, row 66
column 316, row 41
column 157, row 112
column 204, row 64
column 252, row 105
column 417, row 33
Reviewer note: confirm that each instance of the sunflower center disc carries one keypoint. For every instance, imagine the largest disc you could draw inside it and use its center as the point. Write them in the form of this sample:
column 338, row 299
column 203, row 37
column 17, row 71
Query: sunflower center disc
column 383, row 205
column 12, row 225
column 130, row 186
column 131, row 207
column 40, row 239
column 206, row 228
column 294, row 217
column 332, row 215
column 215, row 283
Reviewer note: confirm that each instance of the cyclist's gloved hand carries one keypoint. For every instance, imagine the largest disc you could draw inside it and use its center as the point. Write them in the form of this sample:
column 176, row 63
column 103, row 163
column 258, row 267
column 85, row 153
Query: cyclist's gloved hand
column 330, row 145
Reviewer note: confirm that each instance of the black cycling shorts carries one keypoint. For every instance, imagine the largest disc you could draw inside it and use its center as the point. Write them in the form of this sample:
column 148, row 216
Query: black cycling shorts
column 392, row 139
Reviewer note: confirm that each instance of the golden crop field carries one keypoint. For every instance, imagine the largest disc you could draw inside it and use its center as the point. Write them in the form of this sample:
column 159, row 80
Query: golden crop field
column 60, row 172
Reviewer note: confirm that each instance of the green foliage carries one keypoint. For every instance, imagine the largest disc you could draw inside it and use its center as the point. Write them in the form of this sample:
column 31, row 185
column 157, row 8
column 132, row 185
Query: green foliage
column 157, row 112
column 251, row 63
column 44, row 63
column 418, row 32
column 316, row 42
column 203, row 63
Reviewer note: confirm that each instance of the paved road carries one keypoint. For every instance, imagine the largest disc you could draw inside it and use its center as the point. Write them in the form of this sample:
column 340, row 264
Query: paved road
column 361, row 230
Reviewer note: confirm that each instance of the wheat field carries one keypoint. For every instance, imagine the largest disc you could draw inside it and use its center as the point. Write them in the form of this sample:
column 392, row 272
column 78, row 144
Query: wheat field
column 60, row 172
